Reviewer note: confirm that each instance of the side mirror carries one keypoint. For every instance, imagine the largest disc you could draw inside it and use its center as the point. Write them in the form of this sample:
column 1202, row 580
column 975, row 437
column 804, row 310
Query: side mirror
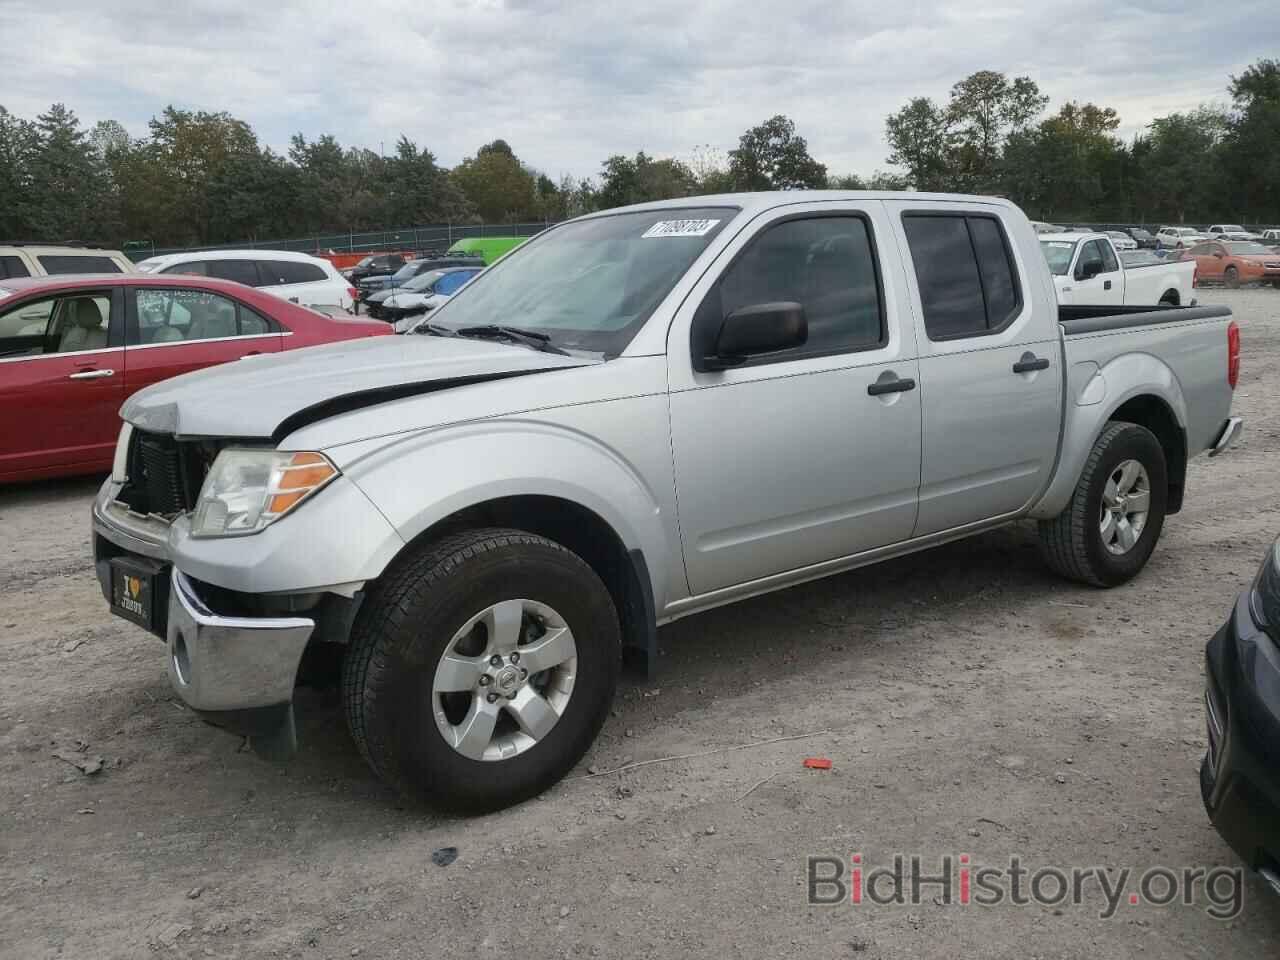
column 1087, row 271
column 1218, row 255
column 754, row 330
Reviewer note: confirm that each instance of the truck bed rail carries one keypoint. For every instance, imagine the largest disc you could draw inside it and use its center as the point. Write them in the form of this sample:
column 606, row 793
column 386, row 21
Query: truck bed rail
column 1092, row 319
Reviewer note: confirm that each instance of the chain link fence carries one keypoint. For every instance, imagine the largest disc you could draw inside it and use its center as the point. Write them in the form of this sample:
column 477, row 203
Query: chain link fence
column 436, row 237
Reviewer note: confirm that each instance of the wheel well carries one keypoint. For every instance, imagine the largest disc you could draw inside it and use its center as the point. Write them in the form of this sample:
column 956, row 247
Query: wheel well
column 1154, row 414
column 1170, row 297
column 586, row 533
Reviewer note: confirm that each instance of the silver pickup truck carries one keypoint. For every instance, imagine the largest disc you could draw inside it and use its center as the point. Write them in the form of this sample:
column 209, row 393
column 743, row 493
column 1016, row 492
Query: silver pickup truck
column 636, row 416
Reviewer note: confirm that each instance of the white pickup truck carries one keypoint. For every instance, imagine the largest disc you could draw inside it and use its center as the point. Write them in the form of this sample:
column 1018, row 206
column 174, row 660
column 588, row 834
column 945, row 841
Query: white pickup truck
column 636, row 416
column 1087, row 269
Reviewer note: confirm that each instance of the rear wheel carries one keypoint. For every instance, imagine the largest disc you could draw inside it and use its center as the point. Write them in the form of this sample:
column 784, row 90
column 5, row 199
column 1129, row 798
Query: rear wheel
column 1107, row 532
column 1170, row 298
column 481, row 669
column 1231, row 277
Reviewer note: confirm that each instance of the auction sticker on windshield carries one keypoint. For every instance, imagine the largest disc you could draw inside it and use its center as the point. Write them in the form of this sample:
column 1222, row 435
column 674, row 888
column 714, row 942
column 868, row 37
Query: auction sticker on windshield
column 680, row 228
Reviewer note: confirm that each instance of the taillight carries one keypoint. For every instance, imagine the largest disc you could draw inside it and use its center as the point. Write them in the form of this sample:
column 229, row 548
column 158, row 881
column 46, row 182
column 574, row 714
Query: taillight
column 1195, row 276
column 1233, row 354
column 352, row 292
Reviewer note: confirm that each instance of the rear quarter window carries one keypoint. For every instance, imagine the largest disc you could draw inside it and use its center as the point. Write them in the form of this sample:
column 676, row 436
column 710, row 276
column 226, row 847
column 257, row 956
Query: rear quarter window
column 62, row 263
column 13, row 267
column 289, row 271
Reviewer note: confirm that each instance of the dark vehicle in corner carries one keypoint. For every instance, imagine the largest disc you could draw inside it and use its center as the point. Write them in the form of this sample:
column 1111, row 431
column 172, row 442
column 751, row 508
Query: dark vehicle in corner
column 1240, row 772
column 375, row 265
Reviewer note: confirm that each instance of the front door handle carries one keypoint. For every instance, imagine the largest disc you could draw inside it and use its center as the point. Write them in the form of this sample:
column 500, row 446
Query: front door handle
column 1106, row 285
column 1030, row 363
column 891, row 386
column 91, row 375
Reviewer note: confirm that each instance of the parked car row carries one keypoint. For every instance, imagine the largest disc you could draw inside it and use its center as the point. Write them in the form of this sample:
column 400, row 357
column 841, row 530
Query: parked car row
column 423, row 293
column 372, row 290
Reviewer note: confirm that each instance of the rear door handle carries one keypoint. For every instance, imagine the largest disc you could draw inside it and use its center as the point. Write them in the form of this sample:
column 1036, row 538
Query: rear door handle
column 891, row 386
column 1031, row 365
column 91, row 375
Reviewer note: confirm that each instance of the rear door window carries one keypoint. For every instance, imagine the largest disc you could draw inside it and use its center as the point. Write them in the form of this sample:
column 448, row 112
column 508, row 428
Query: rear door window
column 947, row 275
column 965, row 271
column 175, row 315
column 55, row 264
column 241, row 271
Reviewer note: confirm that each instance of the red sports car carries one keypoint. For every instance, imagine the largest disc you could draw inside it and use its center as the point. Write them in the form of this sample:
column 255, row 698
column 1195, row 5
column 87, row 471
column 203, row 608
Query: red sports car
column 72, row 348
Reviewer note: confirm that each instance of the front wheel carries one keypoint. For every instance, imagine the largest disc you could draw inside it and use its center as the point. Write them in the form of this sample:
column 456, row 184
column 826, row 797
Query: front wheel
column 481, row 669
column 1107, row 532
column 1231, row 277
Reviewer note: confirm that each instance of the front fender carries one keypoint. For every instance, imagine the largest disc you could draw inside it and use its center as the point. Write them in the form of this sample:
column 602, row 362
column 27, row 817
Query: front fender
column 420, row 480
column 1093, row 395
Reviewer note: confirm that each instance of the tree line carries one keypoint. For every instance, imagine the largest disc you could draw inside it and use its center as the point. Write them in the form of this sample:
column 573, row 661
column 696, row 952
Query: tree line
column 202, row 178
column 991, row 136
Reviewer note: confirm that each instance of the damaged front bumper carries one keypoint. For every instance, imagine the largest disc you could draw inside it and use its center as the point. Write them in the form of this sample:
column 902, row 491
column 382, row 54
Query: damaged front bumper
column 236, row 672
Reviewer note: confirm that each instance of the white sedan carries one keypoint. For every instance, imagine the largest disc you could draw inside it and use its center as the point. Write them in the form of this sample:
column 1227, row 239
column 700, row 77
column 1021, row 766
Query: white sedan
column 1121, row 240
column 1179, row 237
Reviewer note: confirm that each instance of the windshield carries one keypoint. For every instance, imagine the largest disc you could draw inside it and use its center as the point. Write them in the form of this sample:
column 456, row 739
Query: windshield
column 1243, row 248
column 589, row 284
column 1232, row 228
column 365, row 262
column 1186, row 232
column 422, row 281
column 1058, row 254
column 1118, row 235
column 404, row 273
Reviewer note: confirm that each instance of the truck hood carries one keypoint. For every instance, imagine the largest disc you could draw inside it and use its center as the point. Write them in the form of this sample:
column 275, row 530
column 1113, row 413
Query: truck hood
column 270, row 395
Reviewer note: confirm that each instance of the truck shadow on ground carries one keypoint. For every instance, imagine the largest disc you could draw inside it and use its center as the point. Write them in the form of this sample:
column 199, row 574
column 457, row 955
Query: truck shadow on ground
column 784, row 634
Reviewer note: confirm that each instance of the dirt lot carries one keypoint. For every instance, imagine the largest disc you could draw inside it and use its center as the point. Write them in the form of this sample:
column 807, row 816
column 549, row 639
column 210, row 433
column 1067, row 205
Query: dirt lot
column 971, row 703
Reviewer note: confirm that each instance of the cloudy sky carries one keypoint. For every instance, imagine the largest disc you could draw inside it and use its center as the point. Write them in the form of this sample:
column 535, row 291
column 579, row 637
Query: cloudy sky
column 568, row 84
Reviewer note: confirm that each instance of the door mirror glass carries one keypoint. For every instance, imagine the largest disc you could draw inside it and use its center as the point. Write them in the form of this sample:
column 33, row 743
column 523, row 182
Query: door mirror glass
column 758, row 329
column 1089, row 270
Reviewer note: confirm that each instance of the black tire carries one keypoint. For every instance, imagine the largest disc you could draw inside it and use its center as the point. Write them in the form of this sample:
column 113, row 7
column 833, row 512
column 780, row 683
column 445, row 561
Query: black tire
column 1231, row 277
column 409, row 619
column 1071, row 543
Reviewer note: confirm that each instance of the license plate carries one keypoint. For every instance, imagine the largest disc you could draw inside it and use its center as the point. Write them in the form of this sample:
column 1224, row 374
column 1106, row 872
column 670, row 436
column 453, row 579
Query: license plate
column 132, row 589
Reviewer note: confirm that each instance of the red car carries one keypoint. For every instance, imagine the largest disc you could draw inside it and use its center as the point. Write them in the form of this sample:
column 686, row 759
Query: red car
column 1234, row 262
column 72, row 348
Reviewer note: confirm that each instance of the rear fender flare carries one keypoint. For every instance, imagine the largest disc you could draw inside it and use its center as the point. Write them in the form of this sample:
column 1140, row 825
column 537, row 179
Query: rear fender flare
column 1129, row 376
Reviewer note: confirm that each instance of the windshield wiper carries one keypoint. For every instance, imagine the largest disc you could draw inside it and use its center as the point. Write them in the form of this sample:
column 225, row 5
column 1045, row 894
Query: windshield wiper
column 530, row 338
column 433, row 330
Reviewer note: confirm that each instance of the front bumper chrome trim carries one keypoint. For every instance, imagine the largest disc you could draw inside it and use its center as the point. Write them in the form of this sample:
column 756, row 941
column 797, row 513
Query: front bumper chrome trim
column 230, row 663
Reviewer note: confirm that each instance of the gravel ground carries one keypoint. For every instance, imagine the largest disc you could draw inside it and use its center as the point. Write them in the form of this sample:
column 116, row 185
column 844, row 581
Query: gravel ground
column 971, row 703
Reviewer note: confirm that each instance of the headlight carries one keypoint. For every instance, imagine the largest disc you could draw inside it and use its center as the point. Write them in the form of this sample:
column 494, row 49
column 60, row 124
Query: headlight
column 248, row 489
column 1264, row 599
